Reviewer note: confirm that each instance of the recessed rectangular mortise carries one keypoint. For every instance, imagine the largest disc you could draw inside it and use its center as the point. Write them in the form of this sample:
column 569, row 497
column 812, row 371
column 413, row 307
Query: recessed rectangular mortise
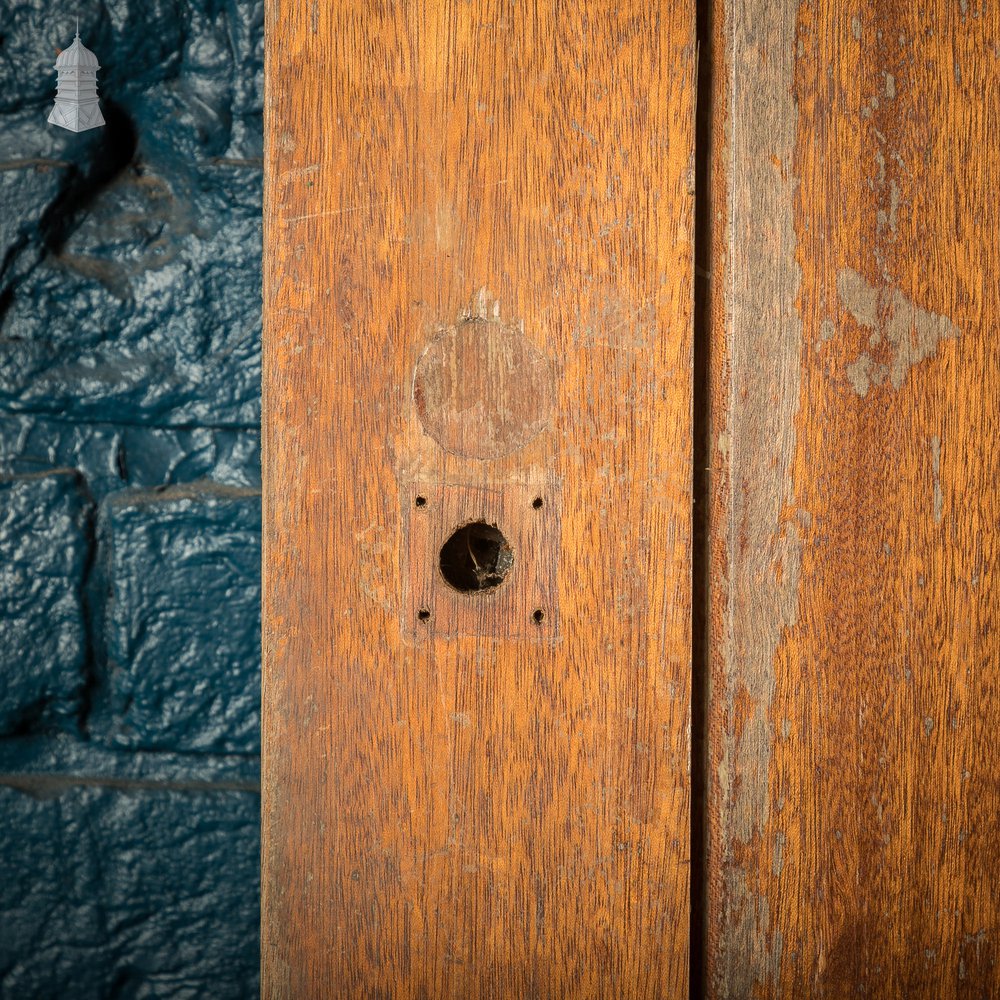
column 480, row 561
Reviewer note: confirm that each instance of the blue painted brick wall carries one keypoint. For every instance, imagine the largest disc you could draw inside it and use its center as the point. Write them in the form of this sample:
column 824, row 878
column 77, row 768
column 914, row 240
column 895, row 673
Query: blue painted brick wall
column 130, row 504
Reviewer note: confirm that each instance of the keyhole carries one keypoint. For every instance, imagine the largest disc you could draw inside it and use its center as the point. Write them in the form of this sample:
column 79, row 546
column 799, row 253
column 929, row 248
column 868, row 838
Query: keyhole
column 476, row 558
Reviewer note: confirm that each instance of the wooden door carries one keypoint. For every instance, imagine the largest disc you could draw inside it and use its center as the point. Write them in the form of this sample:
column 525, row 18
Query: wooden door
column 478, row 300
column 482, row 397
column 855, row 449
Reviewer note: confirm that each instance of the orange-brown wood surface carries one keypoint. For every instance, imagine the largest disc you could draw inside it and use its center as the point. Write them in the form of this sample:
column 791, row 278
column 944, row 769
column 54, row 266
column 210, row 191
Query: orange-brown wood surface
column 478, row 286
column 854, row 750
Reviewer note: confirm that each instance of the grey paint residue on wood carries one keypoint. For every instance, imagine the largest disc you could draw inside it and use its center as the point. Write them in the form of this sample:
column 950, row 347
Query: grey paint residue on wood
column 764, row 323
column 863, row 373
column 912, row 333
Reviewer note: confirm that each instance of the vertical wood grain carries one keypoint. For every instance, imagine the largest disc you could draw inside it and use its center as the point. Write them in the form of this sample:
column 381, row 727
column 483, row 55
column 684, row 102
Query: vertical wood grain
column 854, row 752
column 480, row 813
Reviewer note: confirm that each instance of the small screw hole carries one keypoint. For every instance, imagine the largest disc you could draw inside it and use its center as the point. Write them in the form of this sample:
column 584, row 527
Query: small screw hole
column 537, row 502
column 539, row 616
column 421, row 501
column 424, row 615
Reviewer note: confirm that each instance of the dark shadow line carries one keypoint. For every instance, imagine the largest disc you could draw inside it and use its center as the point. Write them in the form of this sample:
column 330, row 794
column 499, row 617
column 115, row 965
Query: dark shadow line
column 701, row 501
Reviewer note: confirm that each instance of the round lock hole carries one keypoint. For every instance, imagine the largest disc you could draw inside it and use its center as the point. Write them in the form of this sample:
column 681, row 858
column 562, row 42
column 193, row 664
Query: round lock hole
column 476, row 558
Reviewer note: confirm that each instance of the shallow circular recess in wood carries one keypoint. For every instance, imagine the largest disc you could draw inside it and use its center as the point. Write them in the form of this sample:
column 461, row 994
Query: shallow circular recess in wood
column 476, row 558
column 482, row 390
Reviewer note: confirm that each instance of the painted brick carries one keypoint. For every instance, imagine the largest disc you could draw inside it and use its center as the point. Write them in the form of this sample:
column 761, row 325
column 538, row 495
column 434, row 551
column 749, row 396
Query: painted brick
column 140, row 893
column 130, row 318
column 32, row 762
column 113, row 457
column 130, row 285
column 44, row 548
column 32, row 172
column 188, row 249
column 182, row 620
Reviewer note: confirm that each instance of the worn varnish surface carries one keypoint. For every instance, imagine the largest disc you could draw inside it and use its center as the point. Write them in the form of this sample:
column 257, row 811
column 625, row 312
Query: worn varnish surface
column 856, row 450
column 481, row 813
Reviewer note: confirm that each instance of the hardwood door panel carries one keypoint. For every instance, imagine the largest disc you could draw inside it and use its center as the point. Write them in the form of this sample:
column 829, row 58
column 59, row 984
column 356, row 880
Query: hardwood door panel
column 478, row 285
column 856, row 450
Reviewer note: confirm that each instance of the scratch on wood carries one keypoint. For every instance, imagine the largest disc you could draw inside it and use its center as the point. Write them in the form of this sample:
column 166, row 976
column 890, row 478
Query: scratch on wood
column 324, row 215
